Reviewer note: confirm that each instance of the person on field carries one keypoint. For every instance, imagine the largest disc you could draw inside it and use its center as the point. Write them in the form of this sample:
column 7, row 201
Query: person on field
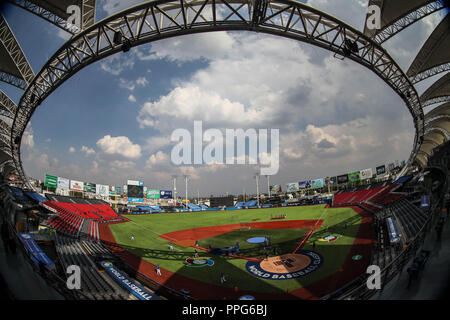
column 158, row 270
column 132, row 237
column 170, row 246
column 222, row 278
column 196, row 254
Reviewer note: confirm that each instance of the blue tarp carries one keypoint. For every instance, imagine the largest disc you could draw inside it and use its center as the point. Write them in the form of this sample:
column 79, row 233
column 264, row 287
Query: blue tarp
column 18, row 194
column 36, row 254
column 402, row 180
column 34, row 196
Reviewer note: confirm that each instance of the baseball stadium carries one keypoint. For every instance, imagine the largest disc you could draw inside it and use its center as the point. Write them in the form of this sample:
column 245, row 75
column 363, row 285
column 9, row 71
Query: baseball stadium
column 85, row 217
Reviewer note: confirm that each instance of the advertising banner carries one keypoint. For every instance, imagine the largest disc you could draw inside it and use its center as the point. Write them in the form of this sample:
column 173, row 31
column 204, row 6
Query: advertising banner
column 112, row 190
column 76, row 185
column 381, row 169
column 102, row 190
column 354, row 176
column 90, row 187
column 304, row 184
column 135, row 183
column 35, row 252
column 391, row 166
column 136, row 200
column 165, row 194
column 63, row 183
column 275, row 189
column 317, row 183
column 342, row 179
column 292, row 187
column 366, row 174
column 425, row 201
column 136, row 289
column 51, row 181
column 153, row 194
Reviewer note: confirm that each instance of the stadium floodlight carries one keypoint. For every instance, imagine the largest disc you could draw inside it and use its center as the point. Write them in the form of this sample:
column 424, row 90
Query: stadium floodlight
column 186, row 180
column 268, row 185
column 257, row 186
column 174, row 177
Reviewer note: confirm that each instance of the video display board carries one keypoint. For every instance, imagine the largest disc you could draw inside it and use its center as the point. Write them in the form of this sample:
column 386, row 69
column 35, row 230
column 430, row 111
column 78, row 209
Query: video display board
column 342, row 179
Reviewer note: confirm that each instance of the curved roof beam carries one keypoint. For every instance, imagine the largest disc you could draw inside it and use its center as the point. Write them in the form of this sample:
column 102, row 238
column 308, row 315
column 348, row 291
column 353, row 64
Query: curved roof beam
column 12, row 80
column 12, row 47
column 398, row 15
column 437, row 92
column 442, row 109
column 431, row 141
column 421, row 159
column 162, row 19
column 437, row 117
column 441, row 131
column 7, row 104
column 55, row 12
column 434, row 56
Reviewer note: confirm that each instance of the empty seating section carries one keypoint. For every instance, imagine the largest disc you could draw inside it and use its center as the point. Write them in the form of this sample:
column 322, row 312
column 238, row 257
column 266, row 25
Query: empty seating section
column 410, row 217
column 385, row 196
column 95, row 285
column 239, row 204
column 194, row 207
column 93, row 231
column 372, row 198
column 251, row 203
column 86, row 208
column 67, row 223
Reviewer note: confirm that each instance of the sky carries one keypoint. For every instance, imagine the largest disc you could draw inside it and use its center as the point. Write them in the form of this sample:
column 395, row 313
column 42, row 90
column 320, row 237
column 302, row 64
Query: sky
column 113, row 120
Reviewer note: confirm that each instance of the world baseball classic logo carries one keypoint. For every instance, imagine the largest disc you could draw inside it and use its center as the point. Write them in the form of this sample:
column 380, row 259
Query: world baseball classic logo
column 287, row 266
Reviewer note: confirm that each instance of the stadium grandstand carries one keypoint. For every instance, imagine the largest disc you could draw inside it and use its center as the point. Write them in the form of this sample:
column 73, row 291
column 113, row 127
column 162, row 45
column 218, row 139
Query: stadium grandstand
column 394, row 214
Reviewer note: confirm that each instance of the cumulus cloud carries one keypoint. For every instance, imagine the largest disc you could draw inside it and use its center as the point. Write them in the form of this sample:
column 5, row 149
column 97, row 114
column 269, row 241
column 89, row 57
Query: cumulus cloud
column 28, row 137
column 142, row 81
column 131, row 98
column 158, row 158
column 122, row 164
column 72, row 150
column 117, row 63
column 119, row 146
column 88, row 151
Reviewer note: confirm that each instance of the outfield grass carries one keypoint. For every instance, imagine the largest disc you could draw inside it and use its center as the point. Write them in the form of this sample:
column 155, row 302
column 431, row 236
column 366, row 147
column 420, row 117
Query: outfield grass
column 147, row 228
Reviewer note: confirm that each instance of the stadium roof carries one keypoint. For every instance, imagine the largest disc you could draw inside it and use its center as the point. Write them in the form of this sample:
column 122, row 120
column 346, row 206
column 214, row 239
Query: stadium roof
column 55, row 11
column 397, row 15
column 437, row 132
column 434, row 53
column 13, row 63
column 437, row 92
column 14, row 66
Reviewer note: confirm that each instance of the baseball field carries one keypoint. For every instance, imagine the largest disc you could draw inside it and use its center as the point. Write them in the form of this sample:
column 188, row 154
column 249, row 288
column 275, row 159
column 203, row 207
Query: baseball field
column 291, row 252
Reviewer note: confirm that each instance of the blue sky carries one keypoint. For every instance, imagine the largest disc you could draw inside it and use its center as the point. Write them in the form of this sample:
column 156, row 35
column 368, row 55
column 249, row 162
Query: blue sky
column 112, row 121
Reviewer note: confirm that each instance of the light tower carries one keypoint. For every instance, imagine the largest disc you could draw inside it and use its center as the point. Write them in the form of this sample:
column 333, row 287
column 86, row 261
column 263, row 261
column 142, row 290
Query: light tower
column 257, row 186
column 186, row 180
column 268, row 184
column 174, row 177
